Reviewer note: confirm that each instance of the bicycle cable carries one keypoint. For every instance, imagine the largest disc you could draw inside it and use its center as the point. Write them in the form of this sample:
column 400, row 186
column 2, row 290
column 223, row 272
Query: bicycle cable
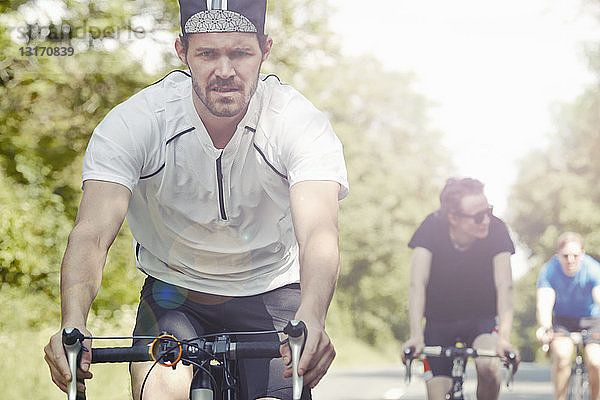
column 189, row 342
column 120, row 337
column 157, row 361
column 239, row 333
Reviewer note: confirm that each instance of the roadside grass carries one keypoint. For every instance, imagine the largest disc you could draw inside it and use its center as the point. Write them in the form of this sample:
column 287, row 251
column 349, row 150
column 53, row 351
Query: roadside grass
column 352, row 352
column 26, row 374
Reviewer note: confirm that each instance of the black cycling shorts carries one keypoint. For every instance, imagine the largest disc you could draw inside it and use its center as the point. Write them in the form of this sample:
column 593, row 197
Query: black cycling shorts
column 446, row 333
column 562, row 326
column 166, row 307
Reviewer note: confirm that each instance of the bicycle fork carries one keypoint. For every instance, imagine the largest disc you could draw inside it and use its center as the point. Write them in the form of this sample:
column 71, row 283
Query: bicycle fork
column 578, row 379
column 458, row 370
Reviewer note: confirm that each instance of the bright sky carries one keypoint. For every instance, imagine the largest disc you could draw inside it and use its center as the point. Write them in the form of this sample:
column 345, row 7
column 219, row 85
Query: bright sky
column 494, row 69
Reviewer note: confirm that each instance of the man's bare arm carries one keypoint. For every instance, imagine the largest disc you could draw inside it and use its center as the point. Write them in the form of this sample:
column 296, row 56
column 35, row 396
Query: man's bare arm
column 420, row 267
column 504, row 291
column 99, row 218
column 314, row 206
column 545, row 298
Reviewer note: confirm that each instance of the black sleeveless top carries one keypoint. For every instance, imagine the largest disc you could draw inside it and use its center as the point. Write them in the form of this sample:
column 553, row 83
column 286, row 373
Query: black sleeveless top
column 461, row 283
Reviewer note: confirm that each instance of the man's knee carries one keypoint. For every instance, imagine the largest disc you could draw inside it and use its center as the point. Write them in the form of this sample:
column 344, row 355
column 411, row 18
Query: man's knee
column 562, row 351
column 592, row 357
column 438, row 386
column 161, row 382
column 488, row 372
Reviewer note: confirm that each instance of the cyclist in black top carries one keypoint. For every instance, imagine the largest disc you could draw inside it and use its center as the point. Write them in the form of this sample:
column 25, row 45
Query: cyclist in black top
column 461, row 283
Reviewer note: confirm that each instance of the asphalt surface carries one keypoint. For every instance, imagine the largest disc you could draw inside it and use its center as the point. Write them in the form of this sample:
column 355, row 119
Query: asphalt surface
column 532, row 382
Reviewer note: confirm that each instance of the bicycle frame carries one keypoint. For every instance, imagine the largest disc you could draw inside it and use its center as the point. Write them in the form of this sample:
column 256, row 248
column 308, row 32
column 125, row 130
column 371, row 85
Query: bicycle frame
column 459, row 363
column 577, row 387
column 206, row 354
column 578, row 381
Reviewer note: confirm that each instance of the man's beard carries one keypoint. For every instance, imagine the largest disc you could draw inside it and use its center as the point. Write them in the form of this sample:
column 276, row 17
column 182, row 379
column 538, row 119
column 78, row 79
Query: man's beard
column 225, row 107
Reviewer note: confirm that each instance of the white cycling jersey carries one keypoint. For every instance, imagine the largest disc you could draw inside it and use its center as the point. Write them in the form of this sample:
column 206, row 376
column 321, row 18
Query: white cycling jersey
column 207, row 219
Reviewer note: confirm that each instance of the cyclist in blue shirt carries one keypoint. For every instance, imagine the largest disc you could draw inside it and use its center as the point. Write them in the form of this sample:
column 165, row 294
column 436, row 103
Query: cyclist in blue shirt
column 568, row 299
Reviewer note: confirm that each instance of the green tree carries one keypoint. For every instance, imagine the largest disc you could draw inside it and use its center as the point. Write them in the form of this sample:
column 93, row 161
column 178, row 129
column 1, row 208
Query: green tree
column 302, row 39
column 48, row 109
column 396, row 166
column 557, row 191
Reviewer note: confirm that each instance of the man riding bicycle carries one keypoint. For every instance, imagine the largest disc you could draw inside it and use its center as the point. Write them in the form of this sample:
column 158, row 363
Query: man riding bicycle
column 461, row 282
column 230, row 182
column 568, row 300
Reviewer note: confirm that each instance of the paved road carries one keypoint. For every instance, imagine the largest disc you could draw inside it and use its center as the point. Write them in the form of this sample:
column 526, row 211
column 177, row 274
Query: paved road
column 532, row 382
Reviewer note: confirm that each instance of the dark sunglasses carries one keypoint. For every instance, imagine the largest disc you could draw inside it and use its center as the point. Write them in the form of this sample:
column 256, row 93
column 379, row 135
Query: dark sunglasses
column 477, row 218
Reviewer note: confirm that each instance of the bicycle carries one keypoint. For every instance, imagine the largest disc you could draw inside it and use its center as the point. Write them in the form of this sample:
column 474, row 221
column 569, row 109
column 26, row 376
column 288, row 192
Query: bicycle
column 459, row 353
column 213, row 357
column 578, row 388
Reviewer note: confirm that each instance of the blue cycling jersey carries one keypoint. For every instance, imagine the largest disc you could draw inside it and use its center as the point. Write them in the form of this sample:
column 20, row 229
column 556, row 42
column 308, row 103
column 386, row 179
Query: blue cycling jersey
column 573, row 294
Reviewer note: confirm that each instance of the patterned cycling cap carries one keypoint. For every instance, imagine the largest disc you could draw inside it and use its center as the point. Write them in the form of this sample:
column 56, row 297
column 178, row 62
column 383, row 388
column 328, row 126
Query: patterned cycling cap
column 222, row 16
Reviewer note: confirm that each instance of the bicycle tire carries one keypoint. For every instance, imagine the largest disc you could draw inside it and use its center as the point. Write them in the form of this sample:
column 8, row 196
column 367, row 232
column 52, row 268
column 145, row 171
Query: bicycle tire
column 585, row 387
column 577, row 385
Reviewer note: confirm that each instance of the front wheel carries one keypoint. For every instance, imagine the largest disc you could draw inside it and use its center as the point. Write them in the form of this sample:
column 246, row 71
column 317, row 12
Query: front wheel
column 578, row 386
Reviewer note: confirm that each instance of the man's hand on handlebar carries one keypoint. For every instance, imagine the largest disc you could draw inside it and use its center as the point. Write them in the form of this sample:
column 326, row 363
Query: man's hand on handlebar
column 318, row 353
column 504, row 349
column 414, row 344
column 59, row 367
column 544, row 334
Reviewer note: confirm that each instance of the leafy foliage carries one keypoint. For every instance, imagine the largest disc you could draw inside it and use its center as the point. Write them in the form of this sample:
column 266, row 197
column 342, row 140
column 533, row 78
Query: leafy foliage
column 301, row 38
column 557, row 191
column 32, row 222
column 395, row 166
column 48, row 109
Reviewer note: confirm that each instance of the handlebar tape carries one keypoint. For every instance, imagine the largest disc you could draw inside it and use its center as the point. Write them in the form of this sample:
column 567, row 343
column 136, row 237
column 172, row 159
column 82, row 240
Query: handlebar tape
column 256, row 350
column 121, row 354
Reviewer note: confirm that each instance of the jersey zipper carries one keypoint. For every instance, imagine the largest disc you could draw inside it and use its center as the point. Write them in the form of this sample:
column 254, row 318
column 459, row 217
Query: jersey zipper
column 220, row 187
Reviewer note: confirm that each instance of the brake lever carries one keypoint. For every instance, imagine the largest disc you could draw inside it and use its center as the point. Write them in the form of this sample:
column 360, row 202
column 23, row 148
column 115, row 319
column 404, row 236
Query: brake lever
column 296, row 331
column 72, row 340
column 408, row 359
column 545, row 348
column 510, row 366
